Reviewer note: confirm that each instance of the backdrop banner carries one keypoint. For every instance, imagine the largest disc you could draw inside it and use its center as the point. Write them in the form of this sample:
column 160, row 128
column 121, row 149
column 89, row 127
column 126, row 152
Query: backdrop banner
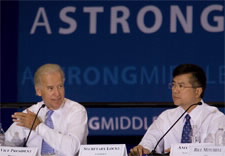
column 120, row 51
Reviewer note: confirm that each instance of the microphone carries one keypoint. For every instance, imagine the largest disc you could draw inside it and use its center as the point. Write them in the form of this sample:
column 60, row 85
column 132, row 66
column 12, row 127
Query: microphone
column 25, row 142
column 154, row 150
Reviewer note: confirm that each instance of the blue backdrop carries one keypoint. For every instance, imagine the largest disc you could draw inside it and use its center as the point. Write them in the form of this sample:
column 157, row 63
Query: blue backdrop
column 119, row 51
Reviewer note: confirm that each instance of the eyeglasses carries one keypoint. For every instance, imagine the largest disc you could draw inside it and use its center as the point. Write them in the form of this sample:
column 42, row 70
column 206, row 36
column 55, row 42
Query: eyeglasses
column 180, row 86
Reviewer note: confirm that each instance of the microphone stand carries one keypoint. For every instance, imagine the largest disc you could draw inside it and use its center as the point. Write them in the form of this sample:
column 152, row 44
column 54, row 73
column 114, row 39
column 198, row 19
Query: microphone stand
column 25, row 142
column 153, row 152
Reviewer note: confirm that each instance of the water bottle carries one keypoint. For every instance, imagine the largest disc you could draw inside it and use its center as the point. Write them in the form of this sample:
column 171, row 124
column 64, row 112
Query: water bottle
column 2, row 135
column 219, row 137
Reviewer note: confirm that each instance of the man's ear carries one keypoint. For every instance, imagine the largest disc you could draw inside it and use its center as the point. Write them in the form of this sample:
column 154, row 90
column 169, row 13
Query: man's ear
column 38, row 91
column 198, row 92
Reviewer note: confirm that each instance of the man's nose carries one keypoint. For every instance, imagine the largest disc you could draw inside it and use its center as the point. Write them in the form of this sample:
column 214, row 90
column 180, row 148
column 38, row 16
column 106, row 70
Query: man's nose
column 56, row 92
column 175, row 89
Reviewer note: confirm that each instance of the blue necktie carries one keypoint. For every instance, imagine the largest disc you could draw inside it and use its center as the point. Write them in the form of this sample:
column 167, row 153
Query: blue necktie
column 187, row 130
column 46, row 148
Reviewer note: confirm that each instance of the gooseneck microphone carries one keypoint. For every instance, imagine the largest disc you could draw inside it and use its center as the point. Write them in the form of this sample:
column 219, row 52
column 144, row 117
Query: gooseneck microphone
column 25, row 142
column 154, row 150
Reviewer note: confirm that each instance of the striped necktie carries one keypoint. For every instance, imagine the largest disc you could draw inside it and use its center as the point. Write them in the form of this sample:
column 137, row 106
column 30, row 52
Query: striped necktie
column 46, row 148
column 187, row 130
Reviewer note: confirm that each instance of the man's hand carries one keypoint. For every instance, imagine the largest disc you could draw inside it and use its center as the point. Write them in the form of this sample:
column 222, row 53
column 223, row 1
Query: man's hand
column 138, row 151
column 167, row 150
column 26, row 119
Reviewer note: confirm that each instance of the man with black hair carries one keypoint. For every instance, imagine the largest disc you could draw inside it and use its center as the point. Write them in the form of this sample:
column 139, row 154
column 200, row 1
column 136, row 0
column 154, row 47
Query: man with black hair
column 188, row 87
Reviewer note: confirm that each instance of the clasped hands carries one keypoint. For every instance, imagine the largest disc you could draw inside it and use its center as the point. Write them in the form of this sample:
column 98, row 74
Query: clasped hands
column 26, row 119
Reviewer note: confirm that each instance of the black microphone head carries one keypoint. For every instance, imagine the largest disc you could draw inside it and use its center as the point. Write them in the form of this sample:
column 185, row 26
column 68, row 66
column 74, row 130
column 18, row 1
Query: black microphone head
column 43, row 106
column 199, row 103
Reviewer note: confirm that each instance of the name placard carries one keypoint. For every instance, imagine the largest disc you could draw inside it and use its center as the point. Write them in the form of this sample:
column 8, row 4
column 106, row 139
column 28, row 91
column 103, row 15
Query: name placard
column 197, row 150
column 18, row 151
column 103, row 150
column 179, row 150
column 200, row 150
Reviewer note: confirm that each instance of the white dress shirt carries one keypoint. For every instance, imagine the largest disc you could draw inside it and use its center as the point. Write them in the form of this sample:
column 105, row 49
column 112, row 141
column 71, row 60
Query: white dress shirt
column 70, row 129
column 207, row 119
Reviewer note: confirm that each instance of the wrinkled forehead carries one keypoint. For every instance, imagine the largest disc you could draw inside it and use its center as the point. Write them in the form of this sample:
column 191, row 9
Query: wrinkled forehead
column 49, row 78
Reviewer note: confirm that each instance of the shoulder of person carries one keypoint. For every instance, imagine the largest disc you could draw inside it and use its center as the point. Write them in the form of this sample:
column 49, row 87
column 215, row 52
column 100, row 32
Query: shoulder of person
column 73, row 105
column 34, row 107
column 212, row 110
column 172, row 111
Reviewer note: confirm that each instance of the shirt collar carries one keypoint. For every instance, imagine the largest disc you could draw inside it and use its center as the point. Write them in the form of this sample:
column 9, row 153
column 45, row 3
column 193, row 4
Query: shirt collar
column 195, row 113
column 46, row 108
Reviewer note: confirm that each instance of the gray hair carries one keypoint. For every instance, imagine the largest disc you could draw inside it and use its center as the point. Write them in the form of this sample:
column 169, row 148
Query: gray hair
column 47, row 69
